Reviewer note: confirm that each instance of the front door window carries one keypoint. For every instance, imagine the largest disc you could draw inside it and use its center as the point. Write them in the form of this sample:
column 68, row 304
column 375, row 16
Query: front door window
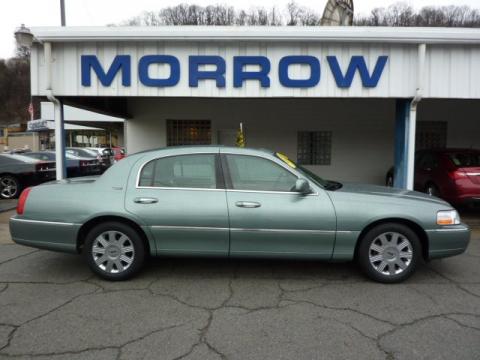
column 258, row 174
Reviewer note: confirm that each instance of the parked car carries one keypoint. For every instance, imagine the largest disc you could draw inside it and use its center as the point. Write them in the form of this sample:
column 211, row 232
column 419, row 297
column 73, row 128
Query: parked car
column 107, row 154
column 19, row 171
column 234, row 202
column 76, row 166
column 119, row 153
column 451, row 174
column 104, row 161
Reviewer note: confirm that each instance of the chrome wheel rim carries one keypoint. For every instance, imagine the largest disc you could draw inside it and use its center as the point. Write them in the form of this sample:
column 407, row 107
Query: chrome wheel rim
column 113, row 252
column 9, row 187
column 390, row 253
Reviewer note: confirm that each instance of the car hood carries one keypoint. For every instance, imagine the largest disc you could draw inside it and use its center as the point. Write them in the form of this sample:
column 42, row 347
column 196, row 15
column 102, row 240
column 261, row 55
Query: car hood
column 389, row 192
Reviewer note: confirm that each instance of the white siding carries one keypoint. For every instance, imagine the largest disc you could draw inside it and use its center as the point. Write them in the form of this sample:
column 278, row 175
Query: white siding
column 452, row 71
column 398, row 80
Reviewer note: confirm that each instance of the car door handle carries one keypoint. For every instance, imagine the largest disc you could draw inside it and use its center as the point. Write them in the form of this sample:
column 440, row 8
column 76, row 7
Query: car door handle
column 145, row 200
column 248, row 204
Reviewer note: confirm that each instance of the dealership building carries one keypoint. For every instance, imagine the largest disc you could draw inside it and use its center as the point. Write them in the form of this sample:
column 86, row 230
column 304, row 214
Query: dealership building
column 347, row 102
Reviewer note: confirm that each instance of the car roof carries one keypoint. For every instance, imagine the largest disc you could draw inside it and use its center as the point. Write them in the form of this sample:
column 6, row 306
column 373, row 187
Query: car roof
column 205, row 148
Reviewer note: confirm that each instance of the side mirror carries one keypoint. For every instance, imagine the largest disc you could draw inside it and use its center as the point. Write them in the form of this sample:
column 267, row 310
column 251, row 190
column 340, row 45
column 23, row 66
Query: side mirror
column 302, row 186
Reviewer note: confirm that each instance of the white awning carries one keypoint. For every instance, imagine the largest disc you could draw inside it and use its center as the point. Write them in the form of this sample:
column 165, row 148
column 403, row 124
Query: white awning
column 45, row 125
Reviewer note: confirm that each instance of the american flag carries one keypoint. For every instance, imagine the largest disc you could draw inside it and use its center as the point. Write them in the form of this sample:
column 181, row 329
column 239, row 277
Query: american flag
column 30, row 110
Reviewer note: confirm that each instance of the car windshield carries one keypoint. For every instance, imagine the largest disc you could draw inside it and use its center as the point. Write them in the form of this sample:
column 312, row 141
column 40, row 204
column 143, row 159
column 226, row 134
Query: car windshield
column 329, row 185
column 465, row 159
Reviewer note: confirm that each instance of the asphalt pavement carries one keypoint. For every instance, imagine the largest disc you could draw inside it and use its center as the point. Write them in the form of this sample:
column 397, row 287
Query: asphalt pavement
column 52, row 307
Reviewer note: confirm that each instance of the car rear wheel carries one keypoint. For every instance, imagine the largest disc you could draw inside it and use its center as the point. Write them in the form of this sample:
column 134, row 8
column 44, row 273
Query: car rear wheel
column 389, row 253
column 114, row 251
column 10, row 187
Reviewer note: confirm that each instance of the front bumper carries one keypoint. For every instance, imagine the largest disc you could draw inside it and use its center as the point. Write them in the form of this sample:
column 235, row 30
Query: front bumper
column 49, row 235
column 448, row 241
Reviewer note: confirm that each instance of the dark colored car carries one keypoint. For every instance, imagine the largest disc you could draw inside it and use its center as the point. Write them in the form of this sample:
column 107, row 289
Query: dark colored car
column 104, row 160
column 76, row 166
column 118, row 153
column 18, row 172
column 451, row 174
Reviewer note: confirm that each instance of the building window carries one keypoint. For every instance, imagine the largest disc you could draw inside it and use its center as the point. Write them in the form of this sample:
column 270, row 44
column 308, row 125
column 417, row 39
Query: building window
column 431, row 135
column 314, row 148
column 189, row 132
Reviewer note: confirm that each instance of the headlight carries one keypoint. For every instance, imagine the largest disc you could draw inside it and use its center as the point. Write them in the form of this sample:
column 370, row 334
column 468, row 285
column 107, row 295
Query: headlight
column 449, row 217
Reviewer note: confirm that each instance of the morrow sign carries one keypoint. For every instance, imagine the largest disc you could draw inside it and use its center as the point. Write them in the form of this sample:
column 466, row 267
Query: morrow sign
column 122, row 64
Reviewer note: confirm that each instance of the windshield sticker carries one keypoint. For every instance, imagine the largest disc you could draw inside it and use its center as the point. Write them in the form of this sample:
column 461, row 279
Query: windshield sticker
column 286, row 160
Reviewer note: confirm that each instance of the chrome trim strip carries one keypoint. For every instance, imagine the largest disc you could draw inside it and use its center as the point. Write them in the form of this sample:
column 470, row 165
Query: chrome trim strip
column 473, row 174
column 43, row 222
column 209, row 228
column 447, row 230
column 177, row 188
column 201, row 228
column 271, row 192
column 285, row 231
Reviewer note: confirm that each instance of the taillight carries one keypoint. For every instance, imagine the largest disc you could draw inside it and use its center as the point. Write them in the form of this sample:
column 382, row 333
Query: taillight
column 457, row 175
column 22, row 200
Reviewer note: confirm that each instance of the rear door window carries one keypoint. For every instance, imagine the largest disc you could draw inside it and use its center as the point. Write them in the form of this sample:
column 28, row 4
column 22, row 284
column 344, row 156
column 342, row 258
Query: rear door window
column 465, row 159
column 184, row 171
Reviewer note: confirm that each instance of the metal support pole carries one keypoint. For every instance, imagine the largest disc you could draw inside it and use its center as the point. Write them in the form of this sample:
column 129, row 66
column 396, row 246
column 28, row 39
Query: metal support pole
column 58, row 113
column 59, row 141
column 62, row 12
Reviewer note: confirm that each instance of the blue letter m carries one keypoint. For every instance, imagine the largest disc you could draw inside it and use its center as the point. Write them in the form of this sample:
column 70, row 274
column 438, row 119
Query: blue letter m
column 357, row 62
column 121, row 62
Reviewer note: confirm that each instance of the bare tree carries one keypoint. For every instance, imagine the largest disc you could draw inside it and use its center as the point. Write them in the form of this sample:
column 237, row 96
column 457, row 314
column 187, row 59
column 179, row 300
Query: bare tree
column 402, row 14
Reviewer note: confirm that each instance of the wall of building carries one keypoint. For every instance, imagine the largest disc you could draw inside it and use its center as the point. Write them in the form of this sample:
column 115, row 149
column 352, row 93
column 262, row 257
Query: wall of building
column 362, row 130
column 462, row 117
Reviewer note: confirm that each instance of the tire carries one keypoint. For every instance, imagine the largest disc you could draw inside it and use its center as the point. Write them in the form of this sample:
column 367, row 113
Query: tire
column 10, row 187
column 389, row 253
column 432, row 190
column 114, row 251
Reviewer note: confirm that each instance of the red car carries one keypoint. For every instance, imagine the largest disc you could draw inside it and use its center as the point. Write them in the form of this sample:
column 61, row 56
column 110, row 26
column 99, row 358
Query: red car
column 451, row 174
column 118, row 153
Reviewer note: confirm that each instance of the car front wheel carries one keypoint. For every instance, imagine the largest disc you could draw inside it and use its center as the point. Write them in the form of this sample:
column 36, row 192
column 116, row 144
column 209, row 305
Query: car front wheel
column 114, row 251
column 389, row 253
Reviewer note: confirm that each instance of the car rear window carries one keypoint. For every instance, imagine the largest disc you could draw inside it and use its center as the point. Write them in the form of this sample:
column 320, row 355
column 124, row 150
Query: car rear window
column 465, row 159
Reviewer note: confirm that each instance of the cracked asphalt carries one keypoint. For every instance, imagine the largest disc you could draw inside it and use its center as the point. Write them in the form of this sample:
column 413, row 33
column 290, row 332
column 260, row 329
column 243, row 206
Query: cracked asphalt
column 52, row 307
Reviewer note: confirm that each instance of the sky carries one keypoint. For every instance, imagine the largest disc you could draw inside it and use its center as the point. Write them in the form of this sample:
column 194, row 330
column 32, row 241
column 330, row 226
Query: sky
column 101, row 12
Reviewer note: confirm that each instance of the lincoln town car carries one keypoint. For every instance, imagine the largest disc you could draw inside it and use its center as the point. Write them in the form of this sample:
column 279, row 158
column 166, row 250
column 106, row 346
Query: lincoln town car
column 215, row 201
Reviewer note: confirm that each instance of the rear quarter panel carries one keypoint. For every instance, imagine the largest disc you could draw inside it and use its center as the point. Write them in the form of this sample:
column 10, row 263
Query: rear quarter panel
column 73, row 202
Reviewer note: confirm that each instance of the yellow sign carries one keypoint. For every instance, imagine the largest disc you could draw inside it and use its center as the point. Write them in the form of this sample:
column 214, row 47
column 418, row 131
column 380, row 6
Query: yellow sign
column 286, row 160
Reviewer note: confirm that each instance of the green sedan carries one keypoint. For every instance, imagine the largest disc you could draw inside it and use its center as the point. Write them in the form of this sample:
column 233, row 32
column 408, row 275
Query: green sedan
column 232, row 202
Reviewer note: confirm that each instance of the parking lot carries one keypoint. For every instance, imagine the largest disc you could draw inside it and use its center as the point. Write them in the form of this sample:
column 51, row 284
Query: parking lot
column 52, row 307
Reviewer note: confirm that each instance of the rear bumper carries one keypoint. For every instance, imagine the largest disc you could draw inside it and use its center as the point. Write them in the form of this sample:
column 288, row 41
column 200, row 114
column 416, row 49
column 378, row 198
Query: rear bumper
column 49, row 235
column 448, row 241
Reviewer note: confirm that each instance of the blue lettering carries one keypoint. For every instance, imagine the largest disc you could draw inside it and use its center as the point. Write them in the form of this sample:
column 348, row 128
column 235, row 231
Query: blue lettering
column 121, row 62
column 357, row 62
column 147, row 60
column 239, row 75
column 196, row 74
column 311, row 61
